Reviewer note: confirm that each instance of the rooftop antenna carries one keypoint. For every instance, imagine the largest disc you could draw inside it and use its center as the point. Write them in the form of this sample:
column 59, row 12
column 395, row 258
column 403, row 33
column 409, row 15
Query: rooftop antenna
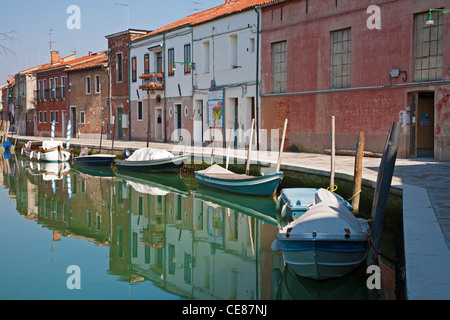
column 195, row 5
column 73, row 50
column 128, row 12
column 51, row 42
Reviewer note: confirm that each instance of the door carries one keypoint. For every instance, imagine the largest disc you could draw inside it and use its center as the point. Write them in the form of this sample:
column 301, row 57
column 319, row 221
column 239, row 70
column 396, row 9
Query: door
column 198, row 122
column 236, row 123
column 63, row 124
column 119, row 124
column 425, row 124
column 177, row 122
column 158, row 127
column 74, row 122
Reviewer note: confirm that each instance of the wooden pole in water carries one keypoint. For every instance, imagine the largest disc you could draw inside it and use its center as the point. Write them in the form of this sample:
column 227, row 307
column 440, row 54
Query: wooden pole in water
column 1, row 131
column 333, row 153
column 358, row 172
column 113, row 135
column 282, row 145
column 247, row 170
column 382, row 189
column 190, row 130
column 228, row 150
column 101, row 137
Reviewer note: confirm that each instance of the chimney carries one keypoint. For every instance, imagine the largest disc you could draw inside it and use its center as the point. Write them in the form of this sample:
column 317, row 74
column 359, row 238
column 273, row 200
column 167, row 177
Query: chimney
column 55, row 57
column 89, row 53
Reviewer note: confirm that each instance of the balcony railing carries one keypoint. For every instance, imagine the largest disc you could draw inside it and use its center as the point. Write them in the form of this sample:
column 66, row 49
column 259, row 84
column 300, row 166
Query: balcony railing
column 152, row 81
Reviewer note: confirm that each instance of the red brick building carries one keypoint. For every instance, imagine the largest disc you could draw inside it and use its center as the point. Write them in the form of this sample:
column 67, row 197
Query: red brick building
column 88, row 96
column 368, row 67
column 118, row 103
column 53, row 95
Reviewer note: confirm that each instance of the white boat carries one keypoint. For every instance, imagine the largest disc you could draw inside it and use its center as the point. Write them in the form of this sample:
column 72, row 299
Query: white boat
column 49, row 151
column 293, row 202
column 152, row 160
column 326, row 241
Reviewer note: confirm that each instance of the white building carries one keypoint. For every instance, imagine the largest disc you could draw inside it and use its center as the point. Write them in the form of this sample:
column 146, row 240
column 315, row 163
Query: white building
column 198, row 78
column 227, row 70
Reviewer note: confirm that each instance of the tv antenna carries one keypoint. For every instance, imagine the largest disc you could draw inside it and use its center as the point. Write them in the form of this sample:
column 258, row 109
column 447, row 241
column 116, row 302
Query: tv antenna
column 51, row 42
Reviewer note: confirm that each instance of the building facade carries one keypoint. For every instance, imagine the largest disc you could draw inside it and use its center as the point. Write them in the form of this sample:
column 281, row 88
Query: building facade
column 367, row 66
column 118, row 97
column 88, row 96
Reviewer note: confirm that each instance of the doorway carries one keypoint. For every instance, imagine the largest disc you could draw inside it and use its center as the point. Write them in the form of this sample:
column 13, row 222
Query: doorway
column 198, row 122
column 119, row 124
column 158, row 126
column 73, row 132
column 177, row 124
column 421, row 124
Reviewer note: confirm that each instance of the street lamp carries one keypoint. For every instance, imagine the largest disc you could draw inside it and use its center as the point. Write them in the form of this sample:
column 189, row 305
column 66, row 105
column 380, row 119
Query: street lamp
column 189, row 64
column 430, row 21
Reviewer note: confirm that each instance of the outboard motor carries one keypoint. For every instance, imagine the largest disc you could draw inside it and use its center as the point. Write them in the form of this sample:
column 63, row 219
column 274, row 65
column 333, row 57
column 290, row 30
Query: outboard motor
column 126, row 154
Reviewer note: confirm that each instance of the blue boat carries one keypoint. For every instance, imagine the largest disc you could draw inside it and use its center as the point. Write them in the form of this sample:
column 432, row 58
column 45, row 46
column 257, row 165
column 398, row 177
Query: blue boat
column 220, row 178
column 326, row 240
column 95, row 160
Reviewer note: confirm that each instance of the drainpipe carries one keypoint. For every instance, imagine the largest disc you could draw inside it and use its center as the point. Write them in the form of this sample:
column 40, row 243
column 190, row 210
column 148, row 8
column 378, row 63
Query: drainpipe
column 164, row 85
column 257, row 79
column 129, row 95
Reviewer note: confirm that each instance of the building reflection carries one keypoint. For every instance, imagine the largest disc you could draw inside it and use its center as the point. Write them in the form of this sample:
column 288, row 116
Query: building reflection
column 190, row 242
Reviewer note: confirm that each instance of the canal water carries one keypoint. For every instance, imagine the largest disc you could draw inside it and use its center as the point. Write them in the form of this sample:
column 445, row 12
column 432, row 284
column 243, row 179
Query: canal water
column 82, row 233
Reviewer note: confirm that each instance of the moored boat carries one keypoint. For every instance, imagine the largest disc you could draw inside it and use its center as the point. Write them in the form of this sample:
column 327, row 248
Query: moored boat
column 49, row 151
column 152, row 160
column 326, row 241
column 220, row 178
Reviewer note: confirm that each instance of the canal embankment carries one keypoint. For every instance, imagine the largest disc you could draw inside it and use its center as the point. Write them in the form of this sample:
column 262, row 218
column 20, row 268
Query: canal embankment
column 422, row 183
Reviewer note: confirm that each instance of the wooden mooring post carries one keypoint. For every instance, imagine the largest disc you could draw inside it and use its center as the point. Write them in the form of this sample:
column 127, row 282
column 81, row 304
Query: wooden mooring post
column 247, row 170
column 333, row 153
column 382, row 189
column 358, row 172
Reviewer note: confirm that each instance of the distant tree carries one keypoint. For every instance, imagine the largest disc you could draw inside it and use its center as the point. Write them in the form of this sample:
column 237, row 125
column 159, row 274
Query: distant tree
column 5, row 38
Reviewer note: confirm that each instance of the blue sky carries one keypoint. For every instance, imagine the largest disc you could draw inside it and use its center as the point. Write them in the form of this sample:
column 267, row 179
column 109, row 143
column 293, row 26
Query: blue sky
column 31, row 21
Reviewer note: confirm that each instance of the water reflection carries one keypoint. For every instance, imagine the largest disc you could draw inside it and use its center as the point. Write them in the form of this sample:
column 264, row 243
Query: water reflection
column 193, row 242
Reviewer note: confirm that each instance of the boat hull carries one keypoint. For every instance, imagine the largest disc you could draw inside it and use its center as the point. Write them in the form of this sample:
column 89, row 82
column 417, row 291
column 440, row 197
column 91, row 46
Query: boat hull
column 48, row 155
column 257, row 186
column 94, row 160
column 321, row 260
column 171, row 165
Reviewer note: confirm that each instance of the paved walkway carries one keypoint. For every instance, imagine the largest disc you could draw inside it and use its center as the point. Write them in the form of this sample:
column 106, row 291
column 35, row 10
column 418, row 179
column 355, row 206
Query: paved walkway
column 423, row 182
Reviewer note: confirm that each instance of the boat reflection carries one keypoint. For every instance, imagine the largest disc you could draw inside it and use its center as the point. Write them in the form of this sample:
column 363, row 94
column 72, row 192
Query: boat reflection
column 192, row 242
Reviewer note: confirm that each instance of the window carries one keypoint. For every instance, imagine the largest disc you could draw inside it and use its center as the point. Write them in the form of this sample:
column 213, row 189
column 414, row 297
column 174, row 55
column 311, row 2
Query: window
column 187, row 58
column 159, row 64
column 133, row 69
column 428, row 47
column 56, row 89
column 279, row 66
column 341, row 47
column 206, row 56
column 45, row 89
column 171, row 57
column 51, row 87
column 252, row 45
column 63, row 87
column 45, row 116
column 233, row 50
column 146, row 64
column 82, row 117
column 97, row 84
column 88, row 85
column 119, row 67
column 40, row 91
column 51, row 117
column 56, row 116
column 139, row 111
column 40, row 117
